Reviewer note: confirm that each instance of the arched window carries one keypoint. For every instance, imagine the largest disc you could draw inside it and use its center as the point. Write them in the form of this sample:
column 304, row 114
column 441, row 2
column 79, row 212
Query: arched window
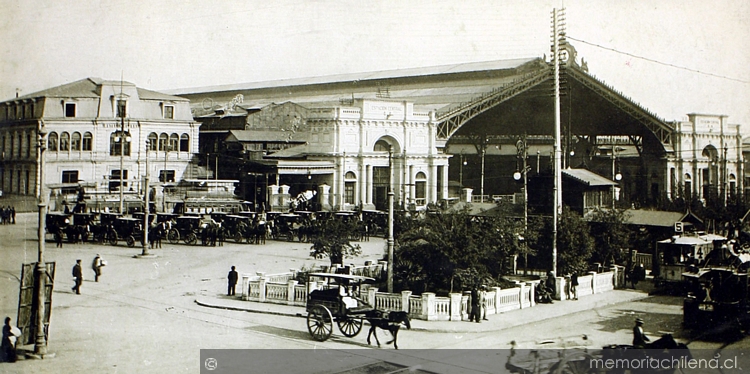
column 75, row 142
column 163, row 141
column 382, row 146
column 420, row 188
column 64, row 141
column 174, row 142
column 732, row 185
column 52, row 142
column 87, row 141
column 350, row 186
column 184, row 143
column 688, row 187
column 152, row 141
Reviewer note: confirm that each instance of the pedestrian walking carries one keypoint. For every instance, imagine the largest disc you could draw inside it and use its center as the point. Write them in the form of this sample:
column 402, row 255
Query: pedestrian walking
column 232, row 278
column 10, row 335
column 78, row 275
column 13, row 214
column 97, row 265
column 574, row 285
column 59, row 238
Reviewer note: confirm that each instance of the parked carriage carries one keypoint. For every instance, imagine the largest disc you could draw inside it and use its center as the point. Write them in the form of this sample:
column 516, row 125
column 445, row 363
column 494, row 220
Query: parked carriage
column 186, row 228
column 57, row 223
column 128, row 229
column 285, row 226
column 105, row 230
column 84, row 226
column 237, row 227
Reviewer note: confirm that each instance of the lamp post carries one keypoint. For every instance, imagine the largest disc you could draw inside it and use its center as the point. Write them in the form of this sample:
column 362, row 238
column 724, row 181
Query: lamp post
column 616, row 176
column 146, row 192
column 461, row 170
column 40, row 342
column 522, row 153
column 484, row 151
column 724, row 176
column 122, row 139
column 390, row 222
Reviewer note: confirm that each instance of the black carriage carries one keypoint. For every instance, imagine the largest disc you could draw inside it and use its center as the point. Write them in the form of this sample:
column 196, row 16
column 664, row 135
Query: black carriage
column 237, row 227
column 286, row 226
column 218, row 217
column 376, row 221
column 139, row 215
column 128, row 229
column 58, row 223
column 186, row 228
column 338, row 301
column 351, row 219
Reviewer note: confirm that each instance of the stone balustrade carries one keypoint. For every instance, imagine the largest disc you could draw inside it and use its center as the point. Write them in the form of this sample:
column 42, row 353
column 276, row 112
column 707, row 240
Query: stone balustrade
column 284, row 289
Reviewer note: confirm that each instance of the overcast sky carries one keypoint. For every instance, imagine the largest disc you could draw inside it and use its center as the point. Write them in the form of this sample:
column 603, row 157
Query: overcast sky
column 678, row 56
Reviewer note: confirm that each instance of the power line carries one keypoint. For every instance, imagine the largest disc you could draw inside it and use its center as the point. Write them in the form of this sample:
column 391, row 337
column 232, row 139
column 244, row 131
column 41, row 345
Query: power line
column 659, row 62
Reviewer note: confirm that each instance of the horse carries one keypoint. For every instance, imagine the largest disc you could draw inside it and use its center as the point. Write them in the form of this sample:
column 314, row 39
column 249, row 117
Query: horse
column 390, row 321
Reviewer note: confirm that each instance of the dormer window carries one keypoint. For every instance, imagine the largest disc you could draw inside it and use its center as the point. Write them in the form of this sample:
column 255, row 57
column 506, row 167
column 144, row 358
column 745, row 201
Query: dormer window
column 70, row 109
column 121, row 108
column 169, row 111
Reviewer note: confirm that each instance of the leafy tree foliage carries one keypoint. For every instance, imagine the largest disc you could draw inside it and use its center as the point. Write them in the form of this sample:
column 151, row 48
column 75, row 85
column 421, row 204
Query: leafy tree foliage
column 611, row 235
column 331, row 240
column 575, row 245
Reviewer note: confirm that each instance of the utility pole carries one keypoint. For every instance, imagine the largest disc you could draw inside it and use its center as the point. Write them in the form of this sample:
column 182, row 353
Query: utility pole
column 146, row 192
column 40, row 342
column 390, row 221
column 558, row 37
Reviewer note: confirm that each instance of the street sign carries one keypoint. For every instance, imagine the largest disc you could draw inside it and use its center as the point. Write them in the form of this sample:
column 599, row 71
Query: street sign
column 678, row 227
column 27, row 302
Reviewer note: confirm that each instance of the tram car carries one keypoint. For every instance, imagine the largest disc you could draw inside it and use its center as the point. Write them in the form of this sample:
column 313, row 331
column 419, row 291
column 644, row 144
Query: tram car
column 675, row 255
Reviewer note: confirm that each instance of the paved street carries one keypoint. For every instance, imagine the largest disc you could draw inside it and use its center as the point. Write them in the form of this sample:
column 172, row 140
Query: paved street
column 143, row 317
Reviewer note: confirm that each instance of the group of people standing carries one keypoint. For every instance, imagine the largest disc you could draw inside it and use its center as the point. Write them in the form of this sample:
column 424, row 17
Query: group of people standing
column 8, row 215
column 478, row 303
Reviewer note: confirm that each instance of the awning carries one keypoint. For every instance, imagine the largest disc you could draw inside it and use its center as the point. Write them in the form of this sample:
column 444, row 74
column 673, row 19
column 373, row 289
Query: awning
column 588, row 178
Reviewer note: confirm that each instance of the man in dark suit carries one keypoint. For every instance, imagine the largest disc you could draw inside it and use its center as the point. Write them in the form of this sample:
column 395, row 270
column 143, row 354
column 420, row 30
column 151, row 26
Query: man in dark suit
column 640, row 340
column 232, row 277
column 78, row 275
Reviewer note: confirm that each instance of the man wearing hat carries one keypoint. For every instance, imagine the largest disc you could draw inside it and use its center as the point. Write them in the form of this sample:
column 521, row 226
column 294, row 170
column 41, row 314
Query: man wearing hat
column 96, row 265
column 640, row 340
column 78, row 275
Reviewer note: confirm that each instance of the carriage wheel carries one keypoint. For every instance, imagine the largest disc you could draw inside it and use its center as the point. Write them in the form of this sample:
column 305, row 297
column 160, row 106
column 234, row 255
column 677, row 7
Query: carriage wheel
column 130, row 240
column 173, row 236
column 191, row 239
column 320, row 323
column 349, row 326
column 112, row 237
column 238, row 237
column 290, row 236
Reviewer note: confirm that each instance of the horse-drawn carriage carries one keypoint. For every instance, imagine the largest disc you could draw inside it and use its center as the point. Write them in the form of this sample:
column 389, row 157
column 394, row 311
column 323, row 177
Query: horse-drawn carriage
column 84, row 226
column 127, row 228
column 286, row 226
column 57, row 223
column 340, row 301
column 186, row 228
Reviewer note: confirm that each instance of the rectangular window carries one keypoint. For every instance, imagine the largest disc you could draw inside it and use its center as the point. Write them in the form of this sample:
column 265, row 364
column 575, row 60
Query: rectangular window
column 349, row 192
column 121, row 108
column 166, row 176
column 27, row 182
column 70, row 176
column 114, row 179
column 70, row 109
column 169, row 111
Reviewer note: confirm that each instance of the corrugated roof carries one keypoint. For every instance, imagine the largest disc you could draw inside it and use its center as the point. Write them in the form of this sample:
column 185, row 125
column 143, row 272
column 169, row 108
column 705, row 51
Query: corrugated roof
column 658, row 218
column 268, row 136
column 587, row 177
column 384, row 74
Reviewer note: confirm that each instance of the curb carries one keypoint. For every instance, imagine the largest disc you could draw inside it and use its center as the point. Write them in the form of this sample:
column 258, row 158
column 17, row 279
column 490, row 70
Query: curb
column 427, row 329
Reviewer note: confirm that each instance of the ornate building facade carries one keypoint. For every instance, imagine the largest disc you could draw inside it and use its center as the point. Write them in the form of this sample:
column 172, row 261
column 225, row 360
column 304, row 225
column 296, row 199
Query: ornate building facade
column 93, row 132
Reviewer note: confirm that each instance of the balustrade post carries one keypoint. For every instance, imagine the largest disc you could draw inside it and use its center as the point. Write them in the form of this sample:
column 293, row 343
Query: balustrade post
column 290, row 291
column 245, row 287
column 593, row 282
column 371, row 294
column 455, row 307
column 532, row 293
column 262, row 289
column 405, row 307
column 429, row 311
column 311, row 286
column 497, row 300
column 521, row 291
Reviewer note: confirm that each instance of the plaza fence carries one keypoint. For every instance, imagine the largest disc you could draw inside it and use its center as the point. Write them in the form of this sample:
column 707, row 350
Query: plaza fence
column 285, row 289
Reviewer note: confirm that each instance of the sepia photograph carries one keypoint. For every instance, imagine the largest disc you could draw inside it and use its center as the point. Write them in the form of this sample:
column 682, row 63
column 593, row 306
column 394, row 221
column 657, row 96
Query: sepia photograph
column 338, row 186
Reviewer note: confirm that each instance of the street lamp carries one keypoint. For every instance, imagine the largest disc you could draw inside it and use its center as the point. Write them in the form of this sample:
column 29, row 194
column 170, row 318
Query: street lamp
column 522, row 153
column 121, row 138
column 390, row 222
column 616, row 176
column 40, row 342
column 461, row 170
column 146, row 193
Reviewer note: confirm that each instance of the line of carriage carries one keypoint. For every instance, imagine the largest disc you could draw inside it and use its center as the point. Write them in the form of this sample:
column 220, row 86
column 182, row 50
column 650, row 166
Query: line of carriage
column 192, row 228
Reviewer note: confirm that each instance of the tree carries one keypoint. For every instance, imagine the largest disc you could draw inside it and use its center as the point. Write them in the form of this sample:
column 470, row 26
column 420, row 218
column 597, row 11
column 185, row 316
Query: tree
column 331, row 240
column 611, row 235
column 574, row 243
